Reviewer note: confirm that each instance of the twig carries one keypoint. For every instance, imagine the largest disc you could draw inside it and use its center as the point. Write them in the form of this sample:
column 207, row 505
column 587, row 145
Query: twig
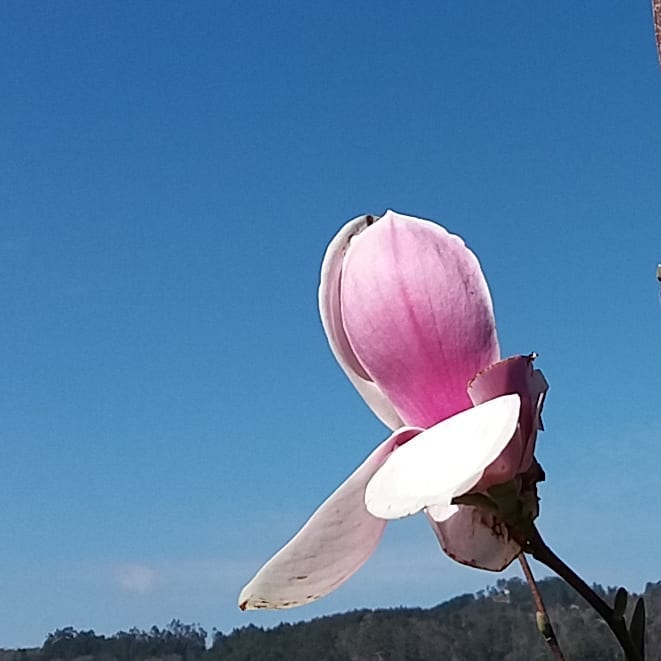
column 540, row 551
column 656, row 15
column 542, row 616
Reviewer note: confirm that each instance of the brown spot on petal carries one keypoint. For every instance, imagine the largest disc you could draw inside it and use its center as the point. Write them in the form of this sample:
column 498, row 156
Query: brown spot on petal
column 243, row 605
column 455, row 557
column 300, row 578
column 497, row 527
column 369, row 220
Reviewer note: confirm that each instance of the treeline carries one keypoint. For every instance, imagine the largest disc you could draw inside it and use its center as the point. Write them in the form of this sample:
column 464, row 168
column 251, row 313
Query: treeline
column 176, row 642
column 492, row 625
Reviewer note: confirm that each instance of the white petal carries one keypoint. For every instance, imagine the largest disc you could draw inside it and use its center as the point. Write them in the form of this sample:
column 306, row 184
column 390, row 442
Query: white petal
column 335, row 542
column 331, row 318
column 445, row 461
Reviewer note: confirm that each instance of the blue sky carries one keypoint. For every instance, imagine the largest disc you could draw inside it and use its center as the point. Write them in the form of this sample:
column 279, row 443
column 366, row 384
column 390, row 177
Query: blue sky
column 171, row 174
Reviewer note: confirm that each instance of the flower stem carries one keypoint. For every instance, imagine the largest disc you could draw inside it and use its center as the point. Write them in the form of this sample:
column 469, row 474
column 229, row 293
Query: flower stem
column 543, row 621
column 536, row 546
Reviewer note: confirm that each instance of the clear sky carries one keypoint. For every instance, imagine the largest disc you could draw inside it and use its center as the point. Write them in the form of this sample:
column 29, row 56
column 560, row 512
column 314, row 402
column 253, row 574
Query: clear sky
column 170, row 176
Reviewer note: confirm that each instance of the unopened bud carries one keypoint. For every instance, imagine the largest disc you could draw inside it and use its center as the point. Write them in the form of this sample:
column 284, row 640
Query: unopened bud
column 544, row 625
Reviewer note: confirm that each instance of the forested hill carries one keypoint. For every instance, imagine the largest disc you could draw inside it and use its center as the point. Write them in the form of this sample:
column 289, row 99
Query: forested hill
column 494, row 624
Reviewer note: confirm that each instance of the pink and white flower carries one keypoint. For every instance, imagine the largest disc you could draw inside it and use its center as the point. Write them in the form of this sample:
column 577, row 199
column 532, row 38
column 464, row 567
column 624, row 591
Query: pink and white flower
column 409, row 317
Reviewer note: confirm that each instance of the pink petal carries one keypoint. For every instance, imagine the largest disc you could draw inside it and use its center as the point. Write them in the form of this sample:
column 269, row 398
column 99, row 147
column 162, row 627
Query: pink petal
column 335, row 542
column 476, row 538
column 513, row 375
column 417, row 313
column 444, row 461
column 331, row 318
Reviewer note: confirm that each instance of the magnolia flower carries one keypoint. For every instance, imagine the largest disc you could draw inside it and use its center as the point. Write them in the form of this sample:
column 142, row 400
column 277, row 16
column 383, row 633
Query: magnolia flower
column 408, row 316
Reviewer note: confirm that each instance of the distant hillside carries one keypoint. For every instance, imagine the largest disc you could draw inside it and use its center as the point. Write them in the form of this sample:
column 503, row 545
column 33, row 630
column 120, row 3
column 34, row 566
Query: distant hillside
column 492, row 625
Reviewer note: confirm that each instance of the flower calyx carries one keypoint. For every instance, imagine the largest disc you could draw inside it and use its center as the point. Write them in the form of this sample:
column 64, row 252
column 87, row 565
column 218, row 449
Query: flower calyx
column 514, row 502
